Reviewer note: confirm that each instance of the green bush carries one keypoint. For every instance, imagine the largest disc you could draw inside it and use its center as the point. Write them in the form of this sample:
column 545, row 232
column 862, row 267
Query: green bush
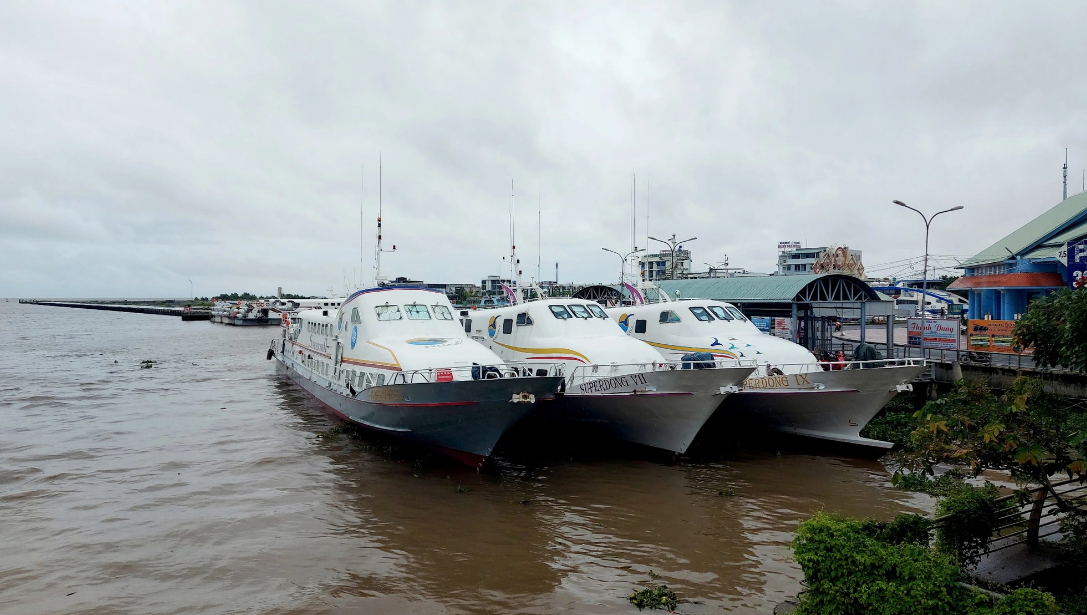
column 941, row 486
column 972, row 514
column 896, row 427
column 849, row 571
column 1026, row 601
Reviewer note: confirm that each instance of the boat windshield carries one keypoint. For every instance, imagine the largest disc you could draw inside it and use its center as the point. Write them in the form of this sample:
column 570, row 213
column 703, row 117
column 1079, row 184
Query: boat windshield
column 387, row 312
column 580, row 311
column 737, row 313
column 560, row 312
column 441, row 312
column 669, row 316
column 720, row 312
column 417, row 312
column 595, row 309
column 701, row 314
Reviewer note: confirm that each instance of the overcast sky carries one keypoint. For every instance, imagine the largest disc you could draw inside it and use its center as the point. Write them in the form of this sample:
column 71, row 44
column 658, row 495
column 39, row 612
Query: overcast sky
column 148, row 143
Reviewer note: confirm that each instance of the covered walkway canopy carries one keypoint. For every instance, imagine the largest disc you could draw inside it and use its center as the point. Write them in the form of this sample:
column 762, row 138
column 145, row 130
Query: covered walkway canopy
column 812, row 301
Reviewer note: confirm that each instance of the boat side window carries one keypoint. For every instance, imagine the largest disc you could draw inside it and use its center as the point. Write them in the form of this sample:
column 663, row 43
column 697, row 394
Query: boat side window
column 507, row 326
column 669, row 316
column 595, row 309
column 355, row 315
column 639, row 326
column 417, row 312
column 467, row 325
column 580, row 311
column 442, row 313
column 720, row 312
column 738, row 314
column 560, row 312
column 387, row 312
column 701, row 314
column 523, row 319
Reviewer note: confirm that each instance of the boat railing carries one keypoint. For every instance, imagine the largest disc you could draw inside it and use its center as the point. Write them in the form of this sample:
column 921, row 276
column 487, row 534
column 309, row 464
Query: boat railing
column 772, row 369
column 477, row 372
column 584, row 373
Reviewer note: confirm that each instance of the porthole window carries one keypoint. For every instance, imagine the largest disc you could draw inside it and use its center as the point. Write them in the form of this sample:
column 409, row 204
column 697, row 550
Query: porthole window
column 507, row 326
column 639, row 326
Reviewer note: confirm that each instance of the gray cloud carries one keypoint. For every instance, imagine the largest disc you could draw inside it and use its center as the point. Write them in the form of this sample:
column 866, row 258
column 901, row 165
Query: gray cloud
column 148, row 143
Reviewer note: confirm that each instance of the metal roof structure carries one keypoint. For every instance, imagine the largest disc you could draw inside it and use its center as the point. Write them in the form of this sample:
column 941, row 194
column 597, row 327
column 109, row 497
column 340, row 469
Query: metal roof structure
column 812, row 288
column 1062, row 223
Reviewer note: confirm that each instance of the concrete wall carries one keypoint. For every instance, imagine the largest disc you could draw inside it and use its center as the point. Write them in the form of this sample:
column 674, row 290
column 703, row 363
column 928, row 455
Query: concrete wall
column 1059, row 383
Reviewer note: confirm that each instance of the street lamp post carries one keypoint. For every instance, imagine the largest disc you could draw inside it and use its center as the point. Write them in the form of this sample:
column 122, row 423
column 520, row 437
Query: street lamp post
column 191, row 295
column 924, row 271
column 623, row 261
column 672, row 243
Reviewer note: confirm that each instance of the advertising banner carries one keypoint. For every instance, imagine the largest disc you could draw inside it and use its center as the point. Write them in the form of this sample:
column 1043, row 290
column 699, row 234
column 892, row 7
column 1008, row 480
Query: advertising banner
column 940, row 333
column 762, row 322
column 782, row 327
column 991, row 336
column 1074, row 254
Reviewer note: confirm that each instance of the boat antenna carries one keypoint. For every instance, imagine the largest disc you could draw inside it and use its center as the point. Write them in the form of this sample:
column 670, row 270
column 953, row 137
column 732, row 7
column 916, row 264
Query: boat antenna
column 515, row 265
column 362, row 220
column 539, row 232
column 378, row 279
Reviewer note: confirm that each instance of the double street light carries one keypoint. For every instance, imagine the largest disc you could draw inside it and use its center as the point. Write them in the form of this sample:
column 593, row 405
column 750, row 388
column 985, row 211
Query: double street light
column 672, row 243
column 623, row 258
column 924, row 274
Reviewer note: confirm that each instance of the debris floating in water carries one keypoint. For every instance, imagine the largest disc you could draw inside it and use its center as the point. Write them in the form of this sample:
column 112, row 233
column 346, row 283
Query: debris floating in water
column 659, row 597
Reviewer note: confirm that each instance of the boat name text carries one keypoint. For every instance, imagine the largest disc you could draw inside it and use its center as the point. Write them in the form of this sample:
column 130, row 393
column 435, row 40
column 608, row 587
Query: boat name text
column 777, row 382
column 615, row 382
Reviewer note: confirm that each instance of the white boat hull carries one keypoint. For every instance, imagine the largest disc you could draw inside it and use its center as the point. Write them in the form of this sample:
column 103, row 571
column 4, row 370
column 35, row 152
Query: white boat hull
column 827, row 405
column 663, row 409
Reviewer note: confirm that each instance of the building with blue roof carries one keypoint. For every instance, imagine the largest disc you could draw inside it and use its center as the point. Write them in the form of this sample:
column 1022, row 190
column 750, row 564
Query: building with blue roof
column 1026, row 265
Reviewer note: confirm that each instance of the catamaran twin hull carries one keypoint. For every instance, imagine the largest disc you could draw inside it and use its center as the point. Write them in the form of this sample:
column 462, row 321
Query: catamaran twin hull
column 461, row 419
column 829, row 405
column 662, row 409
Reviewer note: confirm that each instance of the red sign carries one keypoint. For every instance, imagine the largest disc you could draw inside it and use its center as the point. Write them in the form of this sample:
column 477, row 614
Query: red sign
column 445, row 375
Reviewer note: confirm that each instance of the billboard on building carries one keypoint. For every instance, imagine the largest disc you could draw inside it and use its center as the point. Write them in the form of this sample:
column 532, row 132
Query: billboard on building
column 991, row 336
column 1074, row 255
column 838, row 259
column 940, row 333
column 788, row 246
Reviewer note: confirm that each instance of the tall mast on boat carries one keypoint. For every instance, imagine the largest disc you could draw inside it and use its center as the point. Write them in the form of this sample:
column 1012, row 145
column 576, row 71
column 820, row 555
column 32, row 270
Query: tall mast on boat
column 378, row 279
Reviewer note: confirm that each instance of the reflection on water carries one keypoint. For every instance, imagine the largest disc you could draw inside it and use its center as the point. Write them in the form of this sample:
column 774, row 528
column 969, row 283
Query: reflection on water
column 209, row 485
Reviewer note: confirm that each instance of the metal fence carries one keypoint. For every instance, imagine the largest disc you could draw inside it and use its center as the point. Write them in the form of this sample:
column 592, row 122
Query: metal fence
column 1036, row 515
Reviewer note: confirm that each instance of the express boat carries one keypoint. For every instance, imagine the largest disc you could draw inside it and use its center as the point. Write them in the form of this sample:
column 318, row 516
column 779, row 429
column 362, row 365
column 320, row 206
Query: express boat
column 614, row 384
column 394, row 360
column 790, row 391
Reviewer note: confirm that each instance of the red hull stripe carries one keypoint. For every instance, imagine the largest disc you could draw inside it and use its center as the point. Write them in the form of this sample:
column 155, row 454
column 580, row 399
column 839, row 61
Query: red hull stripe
column 441, row 404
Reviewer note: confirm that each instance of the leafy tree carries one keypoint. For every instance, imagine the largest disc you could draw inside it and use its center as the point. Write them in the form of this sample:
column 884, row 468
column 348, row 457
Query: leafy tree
column 1055, row 328
column 1028, row 432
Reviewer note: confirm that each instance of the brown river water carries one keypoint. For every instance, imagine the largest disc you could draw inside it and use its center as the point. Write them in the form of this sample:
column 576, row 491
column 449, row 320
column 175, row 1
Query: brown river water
column 207, row 484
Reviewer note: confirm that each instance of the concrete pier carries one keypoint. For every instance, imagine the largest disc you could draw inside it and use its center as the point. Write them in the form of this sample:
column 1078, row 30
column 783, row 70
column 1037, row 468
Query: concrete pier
column 138, row 309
